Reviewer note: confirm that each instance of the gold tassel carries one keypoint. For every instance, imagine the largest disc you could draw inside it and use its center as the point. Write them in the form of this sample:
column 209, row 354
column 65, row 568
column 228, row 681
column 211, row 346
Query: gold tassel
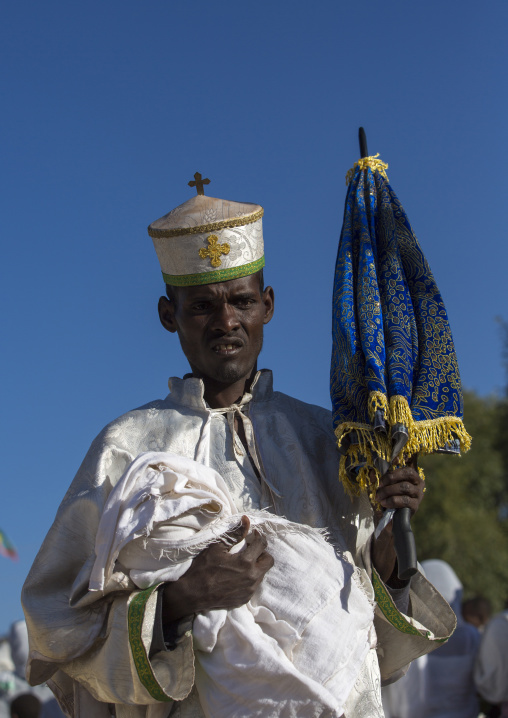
column 373, row 162
column 399, row 412
column 377, row 400
column 425, row 437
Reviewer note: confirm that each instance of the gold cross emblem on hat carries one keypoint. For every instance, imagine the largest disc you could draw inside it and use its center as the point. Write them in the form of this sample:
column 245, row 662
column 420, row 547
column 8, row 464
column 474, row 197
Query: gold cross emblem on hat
column 198, row 183
column 214, row 250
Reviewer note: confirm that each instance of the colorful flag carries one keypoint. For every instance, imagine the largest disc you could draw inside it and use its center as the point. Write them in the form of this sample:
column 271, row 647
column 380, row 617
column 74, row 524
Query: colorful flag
column 6, row 547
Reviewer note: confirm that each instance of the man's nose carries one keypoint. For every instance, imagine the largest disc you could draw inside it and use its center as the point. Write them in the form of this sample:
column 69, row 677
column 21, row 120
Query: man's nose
column 225, row 318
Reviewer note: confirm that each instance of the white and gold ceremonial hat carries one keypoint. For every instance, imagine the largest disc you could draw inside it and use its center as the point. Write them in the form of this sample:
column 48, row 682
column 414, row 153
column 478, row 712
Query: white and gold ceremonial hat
column 207, row 240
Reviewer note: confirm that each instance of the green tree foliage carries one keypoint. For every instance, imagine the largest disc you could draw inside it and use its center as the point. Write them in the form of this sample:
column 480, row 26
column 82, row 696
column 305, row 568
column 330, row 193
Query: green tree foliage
column 464, row 516
column 502, row 443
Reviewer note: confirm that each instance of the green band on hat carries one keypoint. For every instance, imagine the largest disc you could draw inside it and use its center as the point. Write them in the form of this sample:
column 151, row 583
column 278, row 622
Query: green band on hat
column 219, row 275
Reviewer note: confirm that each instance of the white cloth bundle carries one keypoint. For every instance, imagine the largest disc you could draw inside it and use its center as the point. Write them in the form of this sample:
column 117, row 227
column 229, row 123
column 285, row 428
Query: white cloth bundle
column 297, row 647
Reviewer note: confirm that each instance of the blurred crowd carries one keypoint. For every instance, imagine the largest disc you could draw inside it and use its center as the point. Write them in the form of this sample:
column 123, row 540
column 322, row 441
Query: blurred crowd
column 467, row 677
column 17, row 698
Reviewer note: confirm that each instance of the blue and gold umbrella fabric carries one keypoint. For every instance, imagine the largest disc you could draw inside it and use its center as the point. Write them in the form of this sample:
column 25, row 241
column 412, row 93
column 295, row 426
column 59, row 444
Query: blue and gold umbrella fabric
column 394, row 371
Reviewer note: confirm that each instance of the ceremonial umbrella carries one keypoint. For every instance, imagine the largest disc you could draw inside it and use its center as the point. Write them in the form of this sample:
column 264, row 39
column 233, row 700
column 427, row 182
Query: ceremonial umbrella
column 394, row 382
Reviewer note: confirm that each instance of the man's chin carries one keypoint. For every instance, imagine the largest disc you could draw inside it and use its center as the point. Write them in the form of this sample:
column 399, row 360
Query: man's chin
column 230, row 374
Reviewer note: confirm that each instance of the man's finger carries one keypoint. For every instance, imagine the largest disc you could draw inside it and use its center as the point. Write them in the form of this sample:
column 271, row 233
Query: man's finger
column 238, row 533
column 400, row 502
column 265, row 561
column 395, row 476
column 256, row 546
column 402, row 488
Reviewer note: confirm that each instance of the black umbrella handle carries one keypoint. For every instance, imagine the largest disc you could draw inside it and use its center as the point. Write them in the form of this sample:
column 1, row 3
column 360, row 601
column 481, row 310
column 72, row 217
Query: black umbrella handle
column 403, row 537
column 405, row 546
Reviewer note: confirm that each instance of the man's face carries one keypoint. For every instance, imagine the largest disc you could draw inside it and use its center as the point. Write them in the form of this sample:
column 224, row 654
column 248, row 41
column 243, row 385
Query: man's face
column 220, row 326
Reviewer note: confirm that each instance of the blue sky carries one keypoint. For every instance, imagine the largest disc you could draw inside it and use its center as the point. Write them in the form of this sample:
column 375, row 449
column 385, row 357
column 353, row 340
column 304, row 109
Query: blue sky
column 110, row 108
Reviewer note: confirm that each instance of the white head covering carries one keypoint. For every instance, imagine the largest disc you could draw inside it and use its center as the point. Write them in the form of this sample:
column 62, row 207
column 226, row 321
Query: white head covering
column 444, row 578
column 18, row 638
column 6, row 663
column 449, row 687
column 207, row 240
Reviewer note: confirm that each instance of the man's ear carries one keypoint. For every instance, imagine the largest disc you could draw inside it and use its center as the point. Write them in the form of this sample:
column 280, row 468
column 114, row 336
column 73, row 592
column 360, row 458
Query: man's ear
column 167, row 314
column 269, row 302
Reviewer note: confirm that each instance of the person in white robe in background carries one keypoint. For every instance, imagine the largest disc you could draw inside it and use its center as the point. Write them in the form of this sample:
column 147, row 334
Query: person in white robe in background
column 448, row 677
column 13, row 659
column 491, row 668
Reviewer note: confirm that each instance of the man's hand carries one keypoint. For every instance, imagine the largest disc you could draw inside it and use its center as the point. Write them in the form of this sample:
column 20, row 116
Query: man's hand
column 399, row 488
column 219, row 579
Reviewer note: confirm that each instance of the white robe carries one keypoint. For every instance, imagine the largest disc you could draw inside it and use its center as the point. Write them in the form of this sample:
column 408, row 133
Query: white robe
column 95, row 646
column 449, row 690
column 491, row 669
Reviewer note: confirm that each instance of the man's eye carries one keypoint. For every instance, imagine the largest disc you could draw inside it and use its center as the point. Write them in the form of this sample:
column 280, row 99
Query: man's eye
column 200, row 306
column 244, row 303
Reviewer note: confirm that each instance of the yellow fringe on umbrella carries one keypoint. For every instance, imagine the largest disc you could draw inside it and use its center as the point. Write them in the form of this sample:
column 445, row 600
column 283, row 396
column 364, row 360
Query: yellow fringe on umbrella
column 425, row 437
column 377, row 400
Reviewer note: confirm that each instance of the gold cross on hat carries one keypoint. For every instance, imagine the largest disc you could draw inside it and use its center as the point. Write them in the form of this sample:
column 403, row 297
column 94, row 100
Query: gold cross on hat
column 198, row 183
column 214, row 250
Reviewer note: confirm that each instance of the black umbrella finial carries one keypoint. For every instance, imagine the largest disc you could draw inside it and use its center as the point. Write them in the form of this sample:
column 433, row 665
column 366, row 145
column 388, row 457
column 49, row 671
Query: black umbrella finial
column 364, row 152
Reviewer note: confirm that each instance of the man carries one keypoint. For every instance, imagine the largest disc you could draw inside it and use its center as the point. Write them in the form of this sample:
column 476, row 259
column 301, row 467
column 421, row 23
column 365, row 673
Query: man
column 131, row 651
column 477, row 611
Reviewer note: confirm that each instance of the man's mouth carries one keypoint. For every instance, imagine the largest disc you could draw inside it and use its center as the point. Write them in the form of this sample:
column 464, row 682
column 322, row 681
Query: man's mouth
column 226, row 348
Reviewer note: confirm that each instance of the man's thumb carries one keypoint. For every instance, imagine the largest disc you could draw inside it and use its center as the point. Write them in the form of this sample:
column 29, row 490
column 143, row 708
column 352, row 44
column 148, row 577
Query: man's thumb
column 239, row 532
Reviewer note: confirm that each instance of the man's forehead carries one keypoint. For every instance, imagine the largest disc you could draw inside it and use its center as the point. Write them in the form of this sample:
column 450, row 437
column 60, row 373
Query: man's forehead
column 242, row 285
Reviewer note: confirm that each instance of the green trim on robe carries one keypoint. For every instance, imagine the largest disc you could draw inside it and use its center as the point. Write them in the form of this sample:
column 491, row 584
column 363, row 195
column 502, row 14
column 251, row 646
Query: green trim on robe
column 393, row 615
column 144, row 670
